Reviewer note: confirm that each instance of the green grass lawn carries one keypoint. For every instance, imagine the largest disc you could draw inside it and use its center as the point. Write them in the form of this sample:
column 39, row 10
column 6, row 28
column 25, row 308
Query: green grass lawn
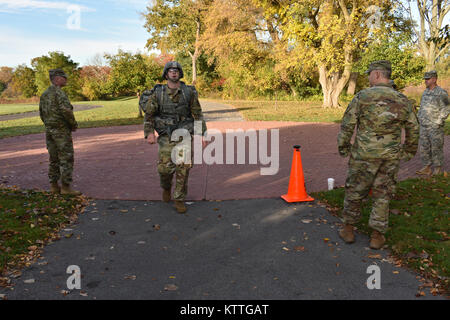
column 302, row 111
column 419, row 224
column 17, row 108
column 29, row 219
column 117, row 112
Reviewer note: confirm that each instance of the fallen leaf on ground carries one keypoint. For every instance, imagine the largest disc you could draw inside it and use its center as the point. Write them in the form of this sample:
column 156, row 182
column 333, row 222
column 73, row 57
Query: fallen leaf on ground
column 124, row 211
column 156, row 227
column 420, row 294
column 285, row 249
column 170, row 287
column 374, row 256
column 299, row 248
column 306, row 221
column 29, row 281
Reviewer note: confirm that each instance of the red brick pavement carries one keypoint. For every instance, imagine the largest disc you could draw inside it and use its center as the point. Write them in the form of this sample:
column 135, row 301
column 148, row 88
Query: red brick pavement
column 117, row 163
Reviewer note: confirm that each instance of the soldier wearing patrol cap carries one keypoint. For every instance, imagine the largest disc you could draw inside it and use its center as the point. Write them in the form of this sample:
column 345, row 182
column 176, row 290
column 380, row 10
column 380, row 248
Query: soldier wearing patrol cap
column 57, row 114
column 170, row 107
column 379, row 114
column 434, row 109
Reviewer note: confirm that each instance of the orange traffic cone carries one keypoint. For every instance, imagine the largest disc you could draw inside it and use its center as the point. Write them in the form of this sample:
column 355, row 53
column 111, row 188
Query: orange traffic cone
column 297, row 190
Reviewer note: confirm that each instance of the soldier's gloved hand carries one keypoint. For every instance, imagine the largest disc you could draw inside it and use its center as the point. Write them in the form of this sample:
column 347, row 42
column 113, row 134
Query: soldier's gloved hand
column 151, row 138
column 344, row 151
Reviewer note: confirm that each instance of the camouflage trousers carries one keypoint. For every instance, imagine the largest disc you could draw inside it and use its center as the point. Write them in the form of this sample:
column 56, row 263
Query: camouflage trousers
column 60, row 149
column 363, row 175
column 167, row 168
column 431, row 146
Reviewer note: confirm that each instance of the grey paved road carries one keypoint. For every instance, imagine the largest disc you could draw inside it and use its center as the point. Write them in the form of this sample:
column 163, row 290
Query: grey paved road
column 246, row 249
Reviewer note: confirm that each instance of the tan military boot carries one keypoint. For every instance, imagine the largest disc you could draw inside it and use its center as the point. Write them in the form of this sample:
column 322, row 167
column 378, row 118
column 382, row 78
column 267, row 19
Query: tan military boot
column 347, row 234
column 166, row 195
column 437, row 170
column 66, row 189
column 377, row 240
column 180, row 207
column 425, row 171
column 54, row 188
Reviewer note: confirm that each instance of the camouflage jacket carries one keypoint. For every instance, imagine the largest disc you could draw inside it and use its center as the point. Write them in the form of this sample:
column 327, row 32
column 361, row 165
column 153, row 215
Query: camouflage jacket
column 55, row 109
column 434, row 107
column 152, row 108
column 379, row 114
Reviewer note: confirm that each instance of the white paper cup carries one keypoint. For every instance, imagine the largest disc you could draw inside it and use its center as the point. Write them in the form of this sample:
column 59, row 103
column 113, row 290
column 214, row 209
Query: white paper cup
column 330, row 183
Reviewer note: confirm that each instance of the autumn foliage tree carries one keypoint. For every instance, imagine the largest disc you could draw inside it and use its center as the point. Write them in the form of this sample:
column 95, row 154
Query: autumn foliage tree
column 326, row 34
column 23, row 81
column 94, row 80
column 175, row 26
column 432, row 36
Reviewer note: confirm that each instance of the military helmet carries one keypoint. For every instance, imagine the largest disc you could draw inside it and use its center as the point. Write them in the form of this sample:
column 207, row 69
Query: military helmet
column 430, row 74
column 56, row 72
column 172, row 64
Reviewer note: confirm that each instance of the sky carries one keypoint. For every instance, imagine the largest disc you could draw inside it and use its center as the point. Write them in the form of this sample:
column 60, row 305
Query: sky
column 79, row 28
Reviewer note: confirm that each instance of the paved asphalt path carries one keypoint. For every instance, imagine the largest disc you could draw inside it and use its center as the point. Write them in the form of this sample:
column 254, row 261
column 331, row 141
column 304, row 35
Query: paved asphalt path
column 243, row 249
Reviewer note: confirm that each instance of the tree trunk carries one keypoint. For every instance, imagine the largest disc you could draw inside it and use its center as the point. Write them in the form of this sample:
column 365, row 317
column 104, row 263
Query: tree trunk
column 194, row 69
column 352, row 83
column 429, row 48
column 332, row 85
column 196, row 54
column 139, row 107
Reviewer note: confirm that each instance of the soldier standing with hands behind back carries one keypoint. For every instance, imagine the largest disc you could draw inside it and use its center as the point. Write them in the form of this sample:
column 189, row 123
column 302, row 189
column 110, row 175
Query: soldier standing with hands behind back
column 170, row 107
column 57, row 114
column 379, row 114
column 434, row 109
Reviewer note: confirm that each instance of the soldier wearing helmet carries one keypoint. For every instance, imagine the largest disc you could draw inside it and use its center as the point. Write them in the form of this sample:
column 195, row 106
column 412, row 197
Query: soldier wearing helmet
column 170, row 107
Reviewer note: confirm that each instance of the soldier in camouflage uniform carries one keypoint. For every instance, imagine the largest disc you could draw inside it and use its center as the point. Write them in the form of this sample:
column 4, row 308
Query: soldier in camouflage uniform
column 57, row 114
column 170, row 107
column 434, row 109
column 379, row 114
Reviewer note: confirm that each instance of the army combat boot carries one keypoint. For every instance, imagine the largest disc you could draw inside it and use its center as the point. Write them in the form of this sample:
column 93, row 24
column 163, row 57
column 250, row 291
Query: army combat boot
column 347, row 234
column 377, row 240
column 166, row 195
column 54, row 188
column 425, row 171
column 66, row 189
column 180, row 207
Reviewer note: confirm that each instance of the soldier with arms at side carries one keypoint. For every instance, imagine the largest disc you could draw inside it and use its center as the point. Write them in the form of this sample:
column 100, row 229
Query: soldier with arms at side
column 170, row 107
column 434, row 109
column 379, row 114
column 57, row 114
